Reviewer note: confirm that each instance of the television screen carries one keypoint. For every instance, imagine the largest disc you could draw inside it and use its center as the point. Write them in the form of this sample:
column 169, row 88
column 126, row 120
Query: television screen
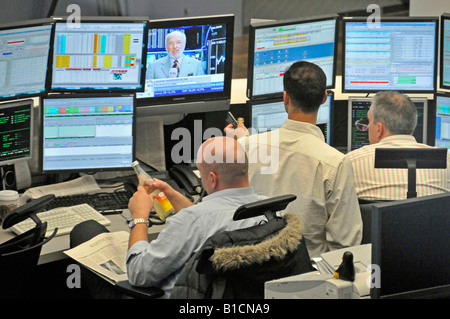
column 442, row 128
column 103, row 54
column 189, row 60
column 357, row 114
column 87, row 133
column 16, row 127
column 24, row 58
column 270, row 114
column 274, row 46
column 445, row 52
column 398, row 54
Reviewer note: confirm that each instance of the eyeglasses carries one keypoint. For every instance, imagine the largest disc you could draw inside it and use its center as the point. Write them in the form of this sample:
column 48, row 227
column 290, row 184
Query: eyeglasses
column 178, row 43
column 362, row 124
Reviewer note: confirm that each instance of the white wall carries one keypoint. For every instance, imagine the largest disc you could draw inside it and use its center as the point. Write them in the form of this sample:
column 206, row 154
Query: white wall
column 428, row 7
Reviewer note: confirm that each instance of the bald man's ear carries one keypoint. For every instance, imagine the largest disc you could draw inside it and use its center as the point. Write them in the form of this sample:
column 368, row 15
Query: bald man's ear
column 213, row 180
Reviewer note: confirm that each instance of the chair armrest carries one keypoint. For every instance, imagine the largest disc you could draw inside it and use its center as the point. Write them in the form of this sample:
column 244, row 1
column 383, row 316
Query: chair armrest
column 139, row 292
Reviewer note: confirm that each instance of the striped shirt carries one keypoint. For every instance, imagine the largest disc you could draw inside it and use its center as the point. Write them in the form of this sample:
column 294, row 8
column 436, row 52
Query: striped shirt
column 392, row 184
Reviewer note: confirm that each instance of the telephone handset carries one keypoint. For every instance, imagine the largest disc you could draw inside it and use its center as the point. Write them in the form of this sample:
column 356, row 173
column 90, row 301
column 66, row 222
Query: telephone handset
column 185, row 177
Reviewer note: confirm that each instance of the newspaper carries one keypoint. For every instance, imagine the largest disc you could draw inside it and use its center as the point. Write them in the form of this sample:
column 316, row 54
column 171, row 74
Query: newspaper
column 104, row 254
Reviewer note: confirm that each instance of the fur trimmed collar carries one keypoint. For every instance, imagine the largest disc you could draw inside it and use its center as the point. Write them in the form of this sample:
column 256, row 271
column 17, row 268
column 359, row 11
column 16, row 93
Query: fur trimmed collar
column 277, row 247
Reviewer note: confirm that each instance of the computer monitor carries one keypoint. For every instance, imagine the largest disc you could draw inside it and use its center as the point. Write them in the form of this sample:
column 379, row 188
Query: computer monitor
column 201, row 80
column 103, row 54
column 270, row 114
column 274, row 46
column 87, row 133
column 16, row 129
column 24, row 60
column 444, row 59
column 358, row 107
column 442, row 127
column 410, row 247
column 397, row 54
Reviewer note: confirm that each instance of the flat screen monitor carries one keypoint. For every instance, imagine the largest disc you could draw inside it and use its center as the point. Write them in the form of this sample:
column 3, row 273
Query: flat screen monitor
column 270, row 114
column 357, row 112
column 189, row 65
column 87, row 133
column 444, row 58
column 410, row 247
column 397, row 54
column 275, row 46
column 102, row 54
column 442, row 128
column 16, row 129
column 24, row 59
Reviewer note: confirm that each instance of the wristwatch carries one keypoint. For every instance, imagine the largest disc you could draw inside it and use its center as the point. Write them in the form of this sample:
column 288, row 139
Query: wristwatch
column 136, row 221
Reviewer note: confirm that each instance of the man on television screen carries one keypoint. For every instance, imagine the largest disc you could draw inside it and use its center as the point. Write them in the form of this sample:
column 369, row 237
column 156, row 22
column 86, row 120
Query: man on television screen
column 176, row 63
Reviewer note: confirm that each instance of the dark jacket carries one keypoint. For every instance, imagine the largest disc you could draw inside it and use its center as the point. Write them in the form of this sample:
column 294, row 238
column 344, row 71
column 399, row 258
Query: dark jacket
column 236, row 264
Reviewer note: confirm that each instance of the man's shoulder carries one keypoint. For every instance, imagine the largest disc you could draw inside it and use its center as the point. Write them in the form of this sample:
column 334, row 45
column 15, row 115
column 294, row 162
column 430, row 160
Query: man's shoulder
column 189, row 59
column 362, row 152
column 162, row 60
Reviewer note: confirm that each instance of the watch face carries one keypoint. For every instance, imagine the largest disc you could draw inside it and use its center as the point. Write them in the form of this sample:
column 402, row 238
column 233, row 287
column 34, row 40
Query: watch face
column 131, row 224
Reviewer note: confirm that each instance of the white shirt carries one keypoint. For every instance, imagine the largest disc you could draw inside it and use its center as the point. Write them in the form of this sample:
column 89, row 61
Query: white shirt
column 296, row 160
column 392, row 184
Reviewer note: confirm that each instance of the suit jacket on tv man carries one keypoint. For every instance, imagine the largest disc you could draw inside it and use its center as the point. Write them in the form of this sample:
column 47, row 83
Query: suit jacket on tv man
column 159, row 69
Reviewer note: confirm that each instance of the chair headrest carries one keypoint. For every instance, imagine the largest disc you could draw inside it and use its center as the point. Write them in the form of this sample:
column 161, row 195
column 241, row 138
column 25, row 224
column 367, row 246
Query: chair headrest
column 28, row 210
column 264, row 207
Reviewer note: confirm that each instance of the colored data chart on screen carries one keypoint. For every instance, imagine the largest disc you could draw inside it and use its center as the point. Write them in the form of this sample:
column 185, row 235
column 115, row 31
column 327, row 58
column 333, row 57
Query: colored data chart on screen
column 98, row 56
column 442, row 121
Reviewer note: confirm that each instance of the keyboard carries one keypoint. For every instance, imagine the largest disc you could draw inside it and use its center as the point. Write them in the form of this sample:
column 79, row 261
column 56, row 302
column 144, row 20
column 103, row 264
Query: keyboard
column 102, row 202
column 63, row 218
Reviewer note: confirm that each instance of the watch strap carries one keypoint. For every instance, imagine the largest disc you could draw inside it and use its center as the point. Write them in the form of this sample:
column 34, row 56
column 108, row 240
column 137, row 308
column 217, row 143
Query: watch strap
column 136, row 221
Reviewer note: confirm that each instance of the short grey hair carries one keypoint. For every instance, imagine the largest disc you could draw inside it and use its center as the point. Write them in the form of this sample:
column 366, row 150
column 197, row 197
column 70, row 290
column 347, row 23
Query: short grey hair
column 176, row 32
column 396, row 111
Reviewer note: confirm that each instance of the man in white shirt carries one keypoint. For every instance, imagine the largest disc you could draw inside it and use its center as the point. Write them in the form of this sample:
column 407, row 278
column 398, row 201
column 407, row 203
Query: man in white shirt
column 392, row 121
column 296, row 160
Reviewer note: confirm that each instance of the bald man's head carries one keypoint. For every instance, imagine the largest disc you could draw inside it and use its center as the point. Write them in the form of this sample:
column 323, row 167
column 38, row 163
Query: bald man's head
column 226, row 159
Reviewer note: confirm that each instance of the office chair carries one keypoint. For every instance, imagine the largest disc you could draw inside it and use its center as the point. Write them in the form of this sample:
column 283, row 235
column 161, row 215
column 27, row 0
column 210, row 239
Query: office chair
column 242, row 281
column 19, row 256
column 236, row 264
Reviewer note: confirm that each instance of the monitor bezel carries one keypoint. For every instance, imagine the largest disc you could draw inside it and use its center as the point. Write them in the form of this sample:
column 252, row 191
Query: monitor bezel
column 345, row 20
column 436, row 95
column 379, row 210
column 278, row 23
column 445, row 16
column 5, row 104
column 424, row 100
column 193, row 103
column 93, row 90
column 28, row 24
column 86, row 170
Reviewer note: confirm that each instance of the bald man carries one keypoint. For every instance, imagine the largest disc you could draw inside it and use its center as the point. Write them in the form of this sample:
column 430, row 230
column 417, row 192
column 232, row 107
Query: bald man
column 223, row 166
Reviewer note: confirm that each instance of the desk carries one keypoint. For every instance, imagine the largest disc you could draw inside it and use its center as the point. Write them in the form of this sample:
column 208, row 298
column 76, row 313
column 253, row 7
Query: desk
column 54, row 249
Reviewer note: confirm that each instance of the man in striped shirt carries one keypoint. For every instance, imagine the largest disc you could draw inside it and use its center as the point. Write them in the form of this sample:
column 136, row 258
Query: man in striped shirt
column 392, row 121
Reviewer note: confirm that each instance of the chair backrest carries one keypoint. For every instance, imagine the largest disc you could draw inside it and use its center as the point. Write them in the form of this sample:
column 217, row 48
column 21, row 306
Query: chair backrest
column 236, row 264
